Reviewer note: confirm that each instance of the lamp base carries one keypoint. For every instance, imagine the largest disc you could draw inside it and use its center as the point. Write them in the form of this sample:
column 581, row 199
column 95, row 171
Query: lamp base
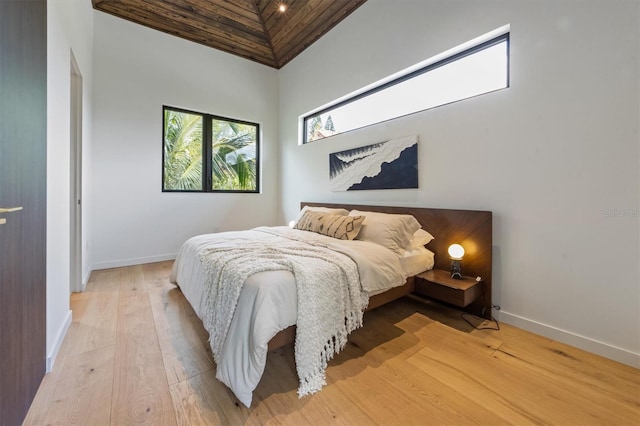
column 456, row 269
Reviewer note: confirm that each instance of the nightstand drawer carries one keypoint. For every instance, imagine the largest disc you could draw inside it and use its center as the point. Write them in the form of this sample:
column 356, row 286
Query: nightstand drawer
column 439, row 285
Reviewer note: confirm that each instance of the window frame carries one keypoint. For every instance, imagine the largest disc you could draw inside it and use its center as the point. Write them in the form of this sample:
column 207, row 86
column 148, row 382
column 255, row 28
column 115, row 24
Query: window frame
column 504, row 37
column 207, row 179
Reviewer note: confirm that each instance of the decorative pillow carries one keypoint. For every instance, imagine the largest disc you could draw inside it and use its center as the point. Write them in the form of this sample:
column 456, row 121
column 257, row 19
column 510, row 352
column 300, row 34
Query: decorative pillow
column 332, row 225
column 393, row 231
column 420, row 239
column 340, row 212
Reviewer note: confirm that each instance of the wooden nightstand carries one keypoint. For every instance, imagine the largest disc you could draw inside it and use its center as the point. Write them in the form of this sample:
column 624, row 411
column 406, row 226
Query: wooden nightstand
column 439, row 285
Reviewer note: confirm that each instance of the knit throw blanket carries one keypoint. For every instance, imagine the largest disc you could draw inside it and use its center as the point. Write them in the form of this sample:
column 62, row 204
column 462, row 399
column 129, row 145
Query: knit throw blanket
column 331, row 301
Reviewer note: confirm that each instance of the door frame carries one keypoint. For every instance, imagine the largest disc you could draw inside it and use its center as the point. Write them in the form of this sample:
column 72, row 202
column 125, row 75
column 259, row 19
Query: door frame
column 75, row 179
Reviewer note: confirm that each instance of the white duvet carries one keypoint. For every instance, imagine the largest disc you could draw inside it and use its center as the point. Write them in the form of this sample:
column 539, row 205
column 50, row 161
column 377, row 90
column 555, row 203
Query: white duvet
column 268, row 300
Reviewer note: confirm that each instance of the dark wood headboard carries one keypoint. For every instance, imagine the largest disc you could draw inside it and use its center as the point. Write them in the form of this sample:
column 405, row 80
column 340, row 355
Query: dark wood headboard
column 470, row 228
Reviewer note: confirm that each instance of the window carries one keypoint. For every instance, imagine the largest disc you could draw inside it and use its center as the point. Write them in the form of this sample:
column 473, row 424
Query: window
column 459, row 74
column 206, row 153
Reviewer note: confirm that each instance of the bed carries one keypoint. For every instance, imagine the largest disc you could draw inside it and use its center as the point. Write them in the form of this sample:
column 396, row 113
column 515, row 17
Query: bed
column 262, row 306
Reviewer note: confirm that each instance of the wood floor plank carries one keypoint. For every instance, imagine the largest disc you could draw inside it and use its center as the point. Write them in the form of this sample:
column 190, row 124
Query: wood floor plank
column 388, row 361
column 83, row 396
column 203, row 399
column 37, row 414
column 412, row 363
column 441, row 363
column 376, row 396
column 358, row 378
column 505, row 383
column 183, row 340
column 104, row 281
column 608, row 377
column 132, row 279
column 196, row 401
column 588, row 402
column 276, row 395
column 140, row 389
column 386, row 364
column 335, row 407
column 277, row 391
column 157, row 274
column 78, row 303
column 98, row 313
column 445, row 405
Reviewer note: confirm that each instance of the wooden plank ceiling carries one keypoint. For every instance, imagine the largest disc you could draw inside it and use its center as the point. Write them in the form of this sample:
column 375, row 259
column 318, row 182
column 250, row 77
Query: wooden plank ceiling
column 253, row 29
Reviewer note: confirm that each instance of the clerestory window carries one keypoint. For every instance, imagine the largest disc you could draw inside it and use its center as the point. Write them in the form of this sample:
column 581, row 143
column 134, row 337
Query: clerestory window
column 461, row 73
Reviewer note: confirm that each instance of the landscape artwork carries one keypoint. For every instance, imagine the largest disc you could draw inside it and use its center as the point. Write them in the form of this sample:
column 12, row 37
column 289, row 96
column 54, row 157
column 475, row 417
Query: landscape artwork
column 386, row 165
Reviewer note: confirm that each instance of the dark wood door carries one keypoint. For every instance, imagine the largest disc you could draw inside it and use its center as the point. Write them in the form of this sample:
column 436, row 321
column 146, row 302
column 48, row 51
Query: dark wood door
column 23, row 148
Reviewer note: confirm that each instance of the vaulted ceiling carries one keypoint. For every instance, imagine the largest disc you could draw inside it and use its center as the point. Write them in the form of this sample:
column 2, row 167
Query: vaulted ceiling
column 254, row 29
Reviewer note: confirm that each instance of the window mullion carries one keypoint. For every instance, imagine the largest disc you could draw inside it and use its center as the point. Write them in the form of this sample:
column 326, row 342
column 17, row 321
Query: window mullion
column 206, row 153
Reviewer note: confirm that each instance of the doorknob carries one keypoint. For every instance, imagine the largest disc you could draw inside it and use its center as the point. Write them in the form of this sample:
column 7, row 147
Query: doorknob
column 10, row 209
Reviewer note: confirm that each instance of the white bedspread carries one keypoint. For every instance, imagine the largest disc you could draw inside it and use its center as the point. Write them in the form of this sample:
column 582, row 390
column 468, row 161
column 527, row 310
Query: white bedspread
column 268, row 300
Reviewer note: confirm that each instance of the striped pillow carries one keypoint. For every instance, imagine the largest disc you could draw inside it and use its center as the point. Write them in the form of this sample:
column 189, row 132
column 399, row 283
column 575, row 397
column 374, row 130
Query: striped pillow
column 332, row 225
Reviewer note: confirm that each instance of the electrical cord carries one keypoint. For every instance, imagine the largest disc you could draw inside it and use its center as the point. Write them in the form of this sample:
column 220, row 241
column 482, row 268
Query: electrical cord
column 464, row 314
column 491, row 318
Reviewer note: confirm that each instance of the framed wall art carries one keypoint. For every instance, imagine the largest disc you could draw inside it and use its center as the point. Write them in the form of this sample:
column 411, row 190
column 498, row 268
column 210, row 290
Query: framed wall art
column 392, row 164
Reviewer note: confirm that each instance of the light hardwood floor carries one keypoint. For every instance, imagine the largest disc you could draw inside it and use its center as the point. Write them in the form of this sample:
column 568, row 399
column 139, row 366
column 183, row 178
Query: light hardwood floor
column 137, row 354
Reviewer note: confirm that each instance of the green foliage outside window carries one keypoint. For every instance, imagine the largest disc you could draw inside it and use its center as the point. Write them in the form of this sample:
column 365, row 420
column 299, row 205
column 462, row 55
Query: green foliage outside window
column 182, row 151
column 233, row 148
column 231, row 159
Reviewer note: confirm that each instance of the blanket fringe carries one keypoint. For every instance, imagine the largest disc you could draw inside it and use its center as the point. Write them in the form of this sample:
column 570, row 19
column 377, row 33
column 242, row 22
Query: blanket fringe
column 317, row 379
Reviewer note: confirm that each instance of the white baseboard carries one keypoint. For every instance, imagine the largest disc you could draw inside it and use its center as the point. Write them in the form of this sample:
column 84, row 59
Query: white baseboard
column 588, row 344
column 57, row 343
column 129, row 262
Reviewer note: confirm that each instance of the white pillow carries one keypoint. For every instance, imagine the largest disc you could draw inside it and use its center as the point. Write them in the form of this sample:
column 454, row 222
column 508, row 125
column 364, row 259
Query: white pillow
column 340, row 212
column 420, row 239
column 416, row 260
column 393, row 231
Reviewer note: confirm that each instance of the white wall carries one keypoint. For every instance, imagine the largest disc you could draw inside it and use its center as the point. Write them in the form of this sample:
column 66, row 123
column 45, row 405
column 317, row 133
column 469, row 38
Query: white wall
column 550, row 156
column 137, row 71
column 69, row 29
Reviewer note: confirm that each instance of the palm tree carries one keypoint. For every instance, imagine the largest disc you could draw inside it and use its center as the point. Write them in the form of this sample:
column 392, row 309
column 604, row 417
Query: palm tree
column 182, row 151
column 233, row 152
column 315, row 125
